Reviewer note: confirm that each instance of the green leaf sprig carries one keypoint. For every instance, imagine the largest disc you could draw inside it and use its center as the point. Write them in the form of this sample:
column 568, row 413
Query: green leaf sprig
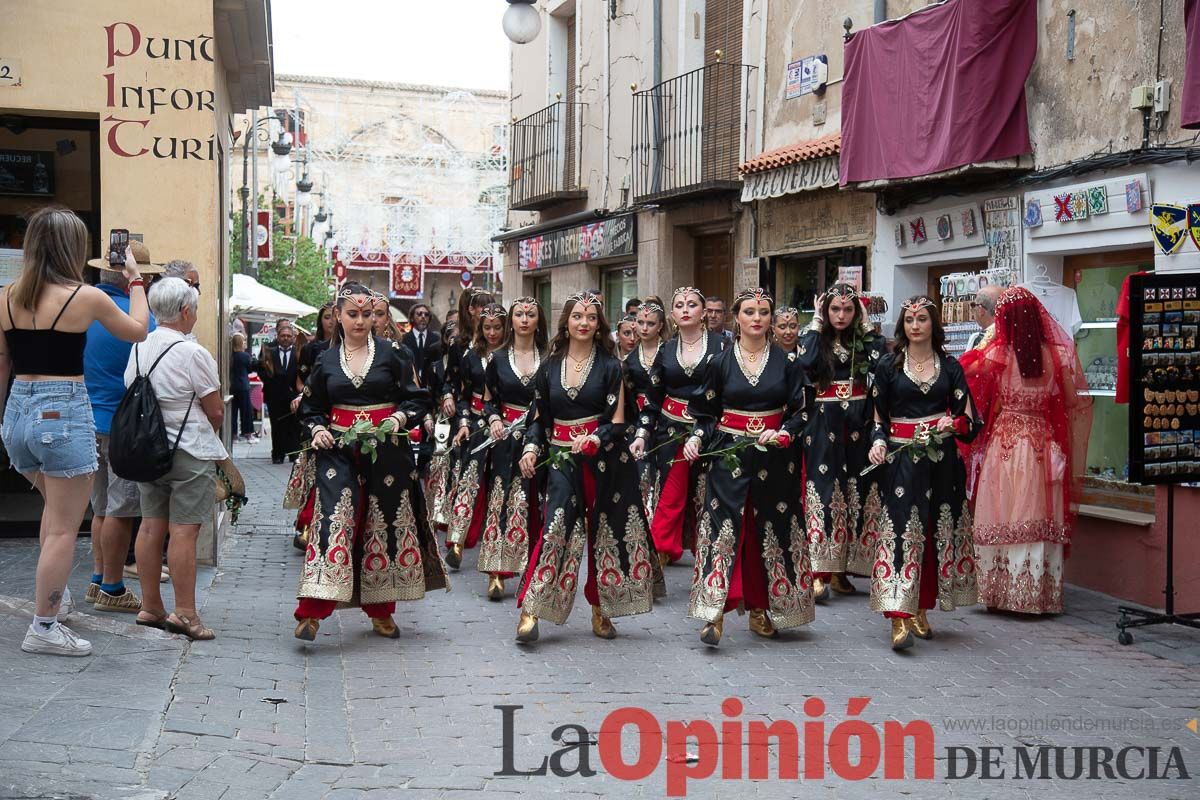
column 926, row 443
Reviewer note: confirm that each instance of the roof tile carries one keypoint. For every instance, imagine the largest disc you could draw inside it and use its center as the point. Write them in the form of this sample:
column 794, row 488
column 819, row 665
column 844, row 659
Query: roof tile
column 828, row 145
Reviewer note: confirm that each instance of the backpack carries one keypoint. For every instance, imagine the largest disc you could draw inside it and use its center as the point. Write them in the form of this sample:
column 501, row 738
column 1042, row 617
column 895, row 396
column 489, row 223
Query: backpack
column 138, row 447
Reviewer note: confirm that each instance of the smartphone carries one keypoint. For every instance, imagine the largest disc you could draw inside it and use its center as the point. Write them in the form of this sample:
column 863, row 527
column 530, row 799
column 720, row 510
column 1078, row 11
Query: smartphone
column 118, row 242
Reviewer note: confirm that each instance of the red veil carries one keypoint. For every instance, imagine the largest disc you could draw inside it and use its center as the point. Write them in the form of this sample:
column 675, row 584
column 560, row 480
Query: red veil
column 1031, row 349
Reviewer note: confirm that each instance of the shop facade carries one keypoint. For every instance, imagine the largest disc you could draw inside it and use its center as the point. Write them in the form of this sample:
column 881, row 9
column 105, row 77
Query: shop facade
column 132, row 131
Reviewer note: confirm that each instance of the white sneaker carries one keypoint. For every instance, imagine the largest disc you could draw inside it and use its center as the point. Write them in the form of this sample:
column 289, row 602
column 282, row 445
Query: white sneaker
column 58, row 641
column 67, row 606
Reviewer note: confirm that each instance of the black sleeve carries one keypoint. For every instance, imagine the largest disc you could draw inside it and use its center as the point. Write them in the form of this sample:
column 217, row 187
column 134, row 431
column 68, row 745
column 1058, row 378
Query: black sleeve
column 613, row 378
column 881, row 398
column 967, row 424
column 542, row 417
column 795, row 415
column 707, row 403
column 491, row 381
column 314, row 405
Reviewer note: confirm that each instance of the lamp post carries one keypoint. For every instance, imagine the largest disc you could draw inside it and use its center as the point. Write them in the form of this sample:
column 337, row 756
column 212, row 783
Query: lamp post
column 521, row 22
column 256, row 131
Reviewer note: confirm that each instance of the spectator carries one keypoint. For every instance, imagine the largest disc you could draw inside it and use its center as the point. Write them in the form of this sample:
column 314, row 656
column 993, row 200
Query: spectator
column 420, row 339
column 983, row 311
column 280, row 364
column 115, row 501
column 240, row 366
column 185, row 270
column 189, row 395
column 631, row 307
column 714, row 316
column 48, row 427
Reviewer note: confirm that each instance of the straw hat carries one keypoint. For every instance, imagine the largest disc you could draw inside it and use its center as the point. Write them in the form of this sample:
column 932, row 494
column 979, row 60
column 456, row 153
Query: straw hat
column 141, row 254
column 236, row 483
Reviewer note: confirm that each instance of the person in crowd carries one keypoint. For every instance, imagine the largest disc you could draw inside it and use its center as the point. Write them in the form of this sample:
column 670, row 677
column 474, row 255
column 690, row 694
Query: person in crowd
column 434, row 457
column 1026, row 467
column 279, row 365
column 679, row 371
column 384, row 325
column 983, row 311
column 631, row 306
column 369, row 547
column 187, row 272
column 592, row 502
column 188, row 389
column 511, row 509
column 838, row 351
column 115, row 501
column 240, row 367
column 302, row 340
column 785, row 327
column 420, row 339
column 750, row 549
column 468, row 498
column 301, row 484
column 915, row 516
column 714, row 316
column 643, row 396
column 48, row 428
column 627, row 335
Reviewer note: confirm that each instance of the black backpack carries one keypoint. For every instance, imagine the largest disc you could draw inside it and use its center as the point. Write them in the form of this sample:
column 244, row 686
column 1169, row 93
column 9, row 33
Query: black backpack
column 138, row 447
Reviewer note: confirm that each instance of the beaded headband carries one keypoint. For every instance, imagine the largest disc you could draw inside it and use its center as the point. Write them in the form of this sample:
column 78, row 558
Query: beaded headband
column 757, row 294
column 783, row 311
column 843, row 290
column 630, row 318
column 352, row 296
column 917, row 303
column 651, row 307
column 526, row 304
column 587, row 298
column 493, row 311
column 687, row 290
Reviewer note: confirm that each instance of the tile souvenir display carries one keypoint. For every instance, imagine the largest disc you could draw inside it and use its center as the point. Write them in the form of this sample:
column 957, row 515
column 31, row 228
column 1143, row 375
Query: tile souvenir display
column 968, row 222
column 917, row 228
column 1097, row 200
column 945, row 230
column 900, row 242
column 1133, row 196
column 1079, row 205
column 1033, row 214
column 1062, row 207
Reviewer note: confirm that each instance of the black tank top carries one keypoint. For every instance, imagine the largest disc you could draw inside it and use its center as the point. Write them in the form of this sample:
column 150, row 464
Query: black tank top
column 45, row 351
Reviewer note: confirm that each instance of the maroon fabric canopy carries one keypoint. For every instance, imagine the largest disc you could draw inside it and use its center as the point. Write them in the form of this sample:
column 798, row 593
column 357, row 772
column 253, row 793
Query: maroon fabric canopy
column 938, row 89
column 1191, row 69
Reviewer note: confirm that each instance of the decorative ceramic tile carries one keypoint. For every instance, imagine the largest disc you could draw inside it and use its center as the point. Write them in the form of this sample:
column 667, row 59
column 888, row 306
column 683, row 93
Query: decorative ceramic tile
column 1097, row 200
column 1062, row 207
column 917, row 228
column 1168, row 225
column 900, row 241
column 968, row 222
column 1033, row 214
column 1133, row 196
column 944, row 229
column 1079, row 205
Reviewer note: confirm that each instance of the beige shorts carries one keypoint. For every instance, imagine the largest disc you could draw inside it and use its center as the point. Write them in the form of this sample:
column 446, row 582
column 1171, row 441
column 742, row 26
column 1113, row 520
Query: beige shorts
column 113, row 496
column 185, row 495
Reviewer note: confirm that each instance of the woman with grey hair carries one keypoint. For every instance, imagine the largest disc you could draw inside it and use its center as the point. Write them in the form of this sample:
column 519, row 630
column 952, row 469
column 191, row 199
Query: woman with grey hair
column 187, row 386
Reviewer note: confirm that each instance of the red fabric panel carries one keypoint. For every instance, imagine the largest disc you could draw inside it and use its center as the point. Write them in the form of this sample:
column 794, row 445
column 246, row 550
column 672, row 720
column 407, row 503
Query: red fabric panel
column 1191, row 70
column 938, row 89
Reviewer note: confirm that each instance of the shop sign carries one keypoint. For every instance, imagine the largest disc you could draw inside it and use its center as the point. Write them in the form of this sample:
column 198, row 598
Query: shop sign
column 806, row 76
column 815, row 221
column 852, row 276
column 817, row 173
column 27, row 172
column 10, row 72
column 607, row 238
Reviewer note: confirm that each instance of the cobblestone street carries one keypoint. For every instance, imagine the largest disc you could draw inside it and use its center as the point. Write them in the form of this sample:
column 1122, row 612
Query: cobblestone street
column 256, row 714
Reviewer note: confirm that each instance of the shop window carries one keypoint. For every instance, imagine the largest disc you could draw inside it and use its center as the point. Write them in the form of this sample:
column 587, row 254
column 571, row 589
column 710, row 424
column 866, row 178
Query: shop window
column 617, row 286
column 1097, row 280
column 541, row 291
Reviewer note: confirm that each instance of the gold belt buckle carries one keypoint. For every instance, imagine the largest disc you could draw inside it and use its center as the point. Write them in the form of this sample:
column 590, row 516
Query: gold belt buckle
column 842, row 390
column 362, row 416
column 578, row 430
column 755, row 425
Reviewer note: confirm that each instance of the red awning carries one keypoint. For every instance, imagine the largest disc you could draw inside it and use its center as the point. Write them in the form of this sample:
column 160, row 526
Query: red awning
column 941, row 88
column 787, row 155
column 1191, row 70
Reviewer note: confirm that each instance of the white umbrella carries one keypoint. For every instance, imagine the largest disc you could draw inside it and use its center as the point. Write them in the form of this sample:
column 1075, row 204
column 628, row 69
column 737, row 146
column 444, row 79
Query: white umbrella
column 251, row 297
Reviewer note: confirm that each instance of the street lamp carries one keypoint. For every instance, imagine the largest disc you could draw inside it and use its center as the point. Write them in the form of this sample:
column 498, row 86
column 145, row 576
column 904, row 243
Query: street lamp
column 256, row 131
column 521, row 22
column 282, row 148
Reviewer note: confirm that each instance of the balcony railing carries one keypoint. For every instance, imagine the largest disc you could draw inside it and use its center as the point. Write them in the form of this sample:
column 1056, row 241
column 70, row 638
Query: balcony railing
column 545, row 163
column 689, row 133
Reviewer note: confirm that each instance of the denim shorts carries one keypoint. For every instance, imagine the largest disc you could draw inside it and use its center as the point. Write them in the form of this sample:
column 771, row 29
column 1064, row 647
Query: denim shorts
column 48, row 428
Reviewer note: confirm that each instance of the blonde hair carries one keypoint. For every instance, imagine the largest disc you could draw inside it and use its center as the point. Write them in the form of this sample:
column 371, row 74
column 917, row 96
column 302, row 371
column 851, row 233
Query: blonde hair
column 239, row 343
column 56, row 243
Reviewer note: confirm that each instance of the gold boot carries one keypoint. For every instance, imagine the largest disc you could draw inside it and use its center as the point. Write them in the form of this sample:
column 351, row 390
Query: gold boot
column 601, row 625
column 840, row 584
column 527, row 628
column 901, row 635
column 760, row 624
column 385, row 627
column 820, row 590
column 495, row 590
column 710, row 634
column 919, row 625
column 306, row 629
column 454, row 556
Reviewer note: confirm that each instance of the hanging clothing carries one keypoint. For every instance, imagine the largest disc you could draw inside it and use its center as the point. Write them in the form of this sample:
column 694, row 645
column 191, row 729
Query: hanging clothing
column 511, row 505
column 643, row 397
column 679, row 371
column 370, row 544
column 835, row 445
column 917, row 504
column 1033, row 448
column 592, row 503
column 750, row 549
column 1060, row 301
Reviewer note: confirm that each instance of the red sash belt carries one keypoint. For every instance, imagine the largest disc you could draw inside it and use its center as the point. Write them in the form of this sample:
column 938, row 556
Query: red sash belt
column 476, row 404
column 750, row 423
column 641, row 401
column 513, row 413
column 343, row 417
column 566, row 430
column 843, row 390
column 676, row 410
column 905, row 430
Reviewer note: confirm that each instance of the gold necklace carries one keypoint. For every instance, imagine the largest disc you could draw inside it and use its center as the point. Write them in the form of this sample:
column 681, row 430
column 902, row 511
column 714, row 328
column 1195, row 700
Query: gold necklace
column 919, row 366
column 692, row 344
column 753, row 356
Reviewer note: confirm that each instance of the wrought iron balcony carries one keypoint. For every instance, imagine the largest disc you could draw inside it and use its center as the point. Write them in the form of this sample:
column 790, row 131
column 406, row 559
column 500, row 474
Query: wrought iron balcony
column 545, row 162
column 690, row 133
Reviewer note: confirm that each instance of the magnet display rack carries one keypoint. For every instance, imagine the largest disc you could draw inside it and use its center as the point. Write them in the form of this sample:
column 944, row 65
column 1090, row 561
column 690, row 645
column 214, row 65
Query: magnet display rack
column 958, row 289
column 1164, row 410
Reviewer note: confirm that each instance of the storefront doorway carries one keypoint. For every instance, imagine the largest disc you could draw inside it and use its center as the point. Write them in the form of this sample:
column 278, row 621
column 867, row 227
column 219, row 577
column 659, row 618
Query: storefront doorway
column 714, row 265
column 802, row 277
column 617, row 285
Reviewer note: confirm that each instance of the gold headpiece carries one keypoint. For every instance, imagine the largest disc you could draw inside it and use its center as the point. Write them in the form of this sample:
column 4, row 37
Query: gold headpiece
column 686, row 290
column 352, row 296
column 1013, row 295
column 917, row 303
column 652, row 307
column 783, row 310
column 757, row 294
column 493, row 311
column 844, row 290
column 587, row 298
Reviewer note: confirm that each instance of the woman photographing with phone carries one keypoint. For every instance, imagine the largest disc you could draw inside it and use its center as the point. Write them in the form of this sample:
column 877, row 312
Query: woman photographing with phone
column 48, row 426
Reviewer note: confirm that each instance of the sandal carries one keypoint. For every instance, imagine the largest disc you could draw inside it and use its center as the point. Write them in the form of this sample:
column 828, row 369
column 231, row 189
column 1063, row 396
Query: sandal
column 194, row 629
column 158, row 621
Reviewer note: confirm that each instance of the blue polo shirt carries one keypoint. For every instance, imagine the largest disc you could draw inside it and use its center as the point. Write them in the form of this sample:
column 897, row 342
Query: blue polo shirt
column 104, row 360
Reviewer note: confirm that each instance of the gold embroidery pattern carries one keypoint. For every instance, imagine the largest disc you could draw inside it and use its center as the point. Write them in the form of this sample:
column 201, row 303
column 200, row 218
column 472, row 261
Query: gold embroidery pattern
column 462, row 507
column 814, row 520
column 892, row 588
column 1021, row 590
column 965, row 591
column 862, row 558
column 711, row 590
column 791, row 602
column 373, row 575
column 551, row 592
column 437, row 487
column 328, row 574
column 301, row 482
column 491, row 542
column 410, row 575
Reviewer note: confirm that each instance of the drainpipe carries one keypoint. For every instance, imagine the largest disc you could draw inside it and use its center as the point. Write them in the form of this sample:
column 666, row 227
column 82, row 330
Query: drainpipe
column 655, row 109
column 881, row 14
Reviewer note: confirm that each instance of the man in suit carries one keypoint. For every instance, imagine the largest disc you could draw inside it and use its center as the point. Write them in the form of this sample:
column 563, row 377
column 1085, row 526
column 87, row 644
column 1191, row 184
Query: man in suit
column 279, row 390
column 714, row 316
column 420, row 339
